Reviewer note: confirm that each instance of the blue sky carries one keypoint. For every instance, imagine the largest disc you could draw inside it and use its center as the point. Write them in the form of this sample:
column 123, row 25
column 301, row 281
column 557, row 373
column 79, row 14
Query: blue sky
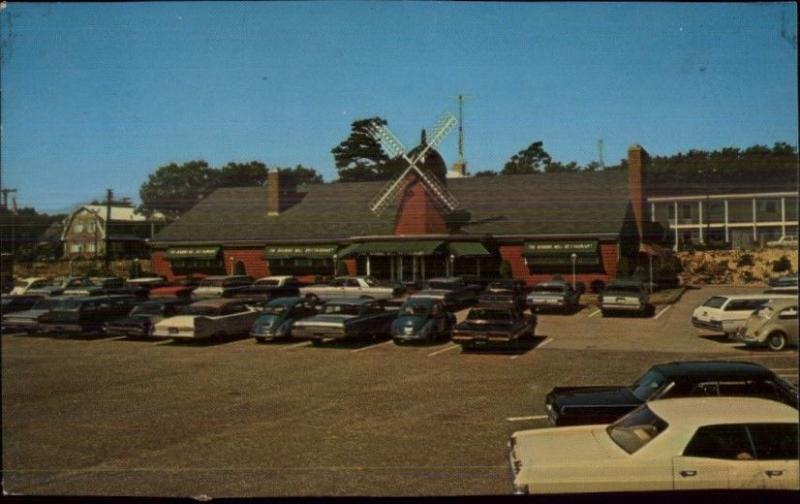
column 100, row 95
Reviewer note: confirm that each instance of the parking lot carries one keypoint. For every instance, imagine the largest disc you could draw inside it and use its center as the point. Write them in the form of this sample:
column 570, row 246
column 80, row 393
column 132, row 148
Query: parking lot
column 113, row 416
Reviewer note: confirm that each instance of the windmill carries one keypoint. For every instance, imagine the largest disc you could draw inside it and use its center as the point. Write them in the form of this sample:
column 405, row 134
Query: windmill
column 392, row 145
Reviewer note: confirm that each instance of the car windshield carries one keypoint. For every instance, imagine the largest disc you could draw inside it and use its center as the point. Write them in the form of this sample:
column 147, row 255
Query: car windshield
column 414, row 309
column 715, row 302
column 632, row 289
column 274, row 309
column 647, row 385
column 46, row 304
column 555, row 289
column 209, row 311
column 636, row 429
column 340, row 309
column 371, row 282
column 147, row 309
column 488, row 314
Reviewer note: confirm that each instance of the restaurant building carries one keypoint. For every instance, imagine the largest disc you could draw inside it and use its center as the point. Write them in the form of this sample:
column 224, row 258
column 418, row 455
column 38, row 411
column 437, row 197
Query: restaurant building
column 541, row 224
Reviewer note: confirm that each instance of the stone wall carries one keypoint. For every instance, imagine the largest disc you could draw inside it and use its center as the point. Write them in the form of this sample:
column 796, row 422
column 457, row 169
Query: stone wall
column 733, row 266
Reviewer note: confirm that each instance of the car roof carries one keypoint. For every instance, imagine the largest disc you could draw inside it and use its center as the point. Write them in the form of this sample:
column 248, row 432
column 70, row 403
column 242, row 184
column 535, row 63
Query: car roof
column 712, row 370
column 697, row 411
column 429, row 292
column 493, row 306
column 287, row 301
column 350, row 301
column 166, row 301
column 98, row 298
column 275, row 277
column 445, row 279
column 558, row 283
column 222, row 277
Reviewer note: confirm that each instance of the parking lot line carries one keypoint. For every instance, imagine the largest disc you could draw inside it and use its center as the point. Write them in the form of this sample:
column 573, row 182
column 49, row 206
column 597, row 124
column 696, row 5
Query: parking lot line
column 516, row 356
column 371, row 346
column 441, row 350
column 523, row 418
column 594, row 313
column 296, row 345
column 662, row 312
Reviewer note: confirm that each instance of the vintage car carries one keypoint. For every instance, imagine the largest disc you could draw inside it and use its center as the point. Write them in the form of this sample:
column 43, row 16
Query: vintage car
column 512, row 292
column 461, row 293
column 604, row 404
column 353, row 288
column 341, row 319
column 487, row 325
column 142, row 286
column 266, row 289
column 85, row 315
column 100, row 286
column 144, row 316
column 58, row 287
column 278, row 317
column 784, row 281
column 28, row 320
column 180, row 287
column 697, row 443
column 208, row 318
column 728, row 314
column 448, row 298
column 22, row 285
column 786, row 241
column 774, row 326
column 554, row 295
column 422, row 319
column 17, row 303
column 625, row 296
column 217, row 285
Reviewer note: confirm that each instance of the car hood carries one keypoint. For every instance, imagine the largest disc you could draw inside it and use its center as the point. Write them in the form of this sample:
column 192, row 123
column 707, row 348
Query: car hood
column 591, row 396
column 542, row 448
column 414, row 321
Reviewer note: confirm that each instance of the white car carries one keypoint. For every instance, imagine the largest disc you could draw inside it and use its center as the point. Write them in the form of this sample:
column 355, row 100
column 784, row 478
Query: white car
column 277, row 281
column 216, row 285
column 22, row 285
column 672, row 444
column 208, row 318
column 728, row 314
column 786, row 241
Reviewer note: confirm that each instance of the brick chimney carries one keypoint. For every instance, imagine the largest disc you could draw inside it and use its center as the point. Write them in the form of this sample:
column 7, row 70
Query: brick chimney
column 637, row 166
column 281, row 191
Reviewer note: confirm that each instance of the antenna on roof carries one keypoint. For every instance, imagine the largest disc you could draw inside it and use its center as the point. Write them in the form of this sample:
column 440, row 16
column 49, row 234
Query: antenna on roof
column 600, row 153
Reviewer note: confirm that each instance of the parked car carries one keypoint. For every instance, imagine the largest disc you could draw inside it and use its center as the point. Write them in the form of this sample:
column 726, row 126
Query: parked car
column 85, row 315
column 786, row 241
column 58, row 287
column 774, row 326
column 423, row 319
column 494, row 324
column 461, row 293
column 143, row 285
column 448, row 298
column 554, row 295
column 727, row 314
column 267, row 288
column 341, row 319
column 180, row 287
column 604, row 404
column 353, row 288
column 217, row 285
column 678, row 444
column 784, row 281
column 504, row 291
column 18, row 303
column 22, row 285
column 208, row 318
column 100, row 286
column 278, row 317
column 625, row 296
column 28, row 320
column 144, row 316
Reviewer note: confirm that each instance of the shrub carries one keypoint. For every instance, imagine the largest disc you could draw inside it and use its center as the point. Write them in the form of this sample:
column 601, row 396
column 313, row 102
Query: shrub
column 505, row 269
column 745, row 260
column 782, row 264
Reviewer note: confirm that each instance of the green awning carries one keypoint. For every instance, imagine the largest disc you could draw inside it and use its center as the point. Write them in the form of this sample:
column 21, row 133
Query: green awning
column 322, row 251
column 420, row 247
column 193, row 252
column 562, row 247
column 468, row 249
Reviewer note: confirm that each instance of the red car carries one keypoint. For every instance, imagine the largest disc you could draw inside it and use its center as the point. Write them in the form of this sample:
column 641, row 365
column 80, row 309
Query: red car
column 180, row 287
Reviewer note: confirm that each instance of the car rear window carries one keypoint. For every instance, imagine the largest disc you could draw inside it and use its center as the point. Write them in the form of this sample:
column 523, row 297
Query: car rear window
column 715, row 302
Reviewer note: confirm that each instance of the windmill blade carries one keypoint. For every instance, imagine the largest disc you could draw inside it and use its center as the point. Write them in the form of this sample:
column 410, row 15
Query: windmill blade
column 387, row 139
column 439, row 131
column 437, row 188
column 390, row 191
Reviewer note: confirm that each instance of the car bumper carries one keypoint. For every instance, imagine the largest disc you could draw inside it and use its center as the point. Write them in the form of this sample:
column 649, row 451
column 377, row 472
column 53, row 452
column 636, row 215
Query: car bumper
column 62, row 328
column 622, row 307
column 711, row 326
column 480, row 339
column 319, row 333
column 126, row 331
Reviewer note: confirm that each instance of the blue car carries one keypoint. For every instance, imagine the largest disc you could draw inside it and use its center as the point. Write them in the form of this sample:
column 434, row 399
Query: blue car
column 278, row 317
column 422, row 319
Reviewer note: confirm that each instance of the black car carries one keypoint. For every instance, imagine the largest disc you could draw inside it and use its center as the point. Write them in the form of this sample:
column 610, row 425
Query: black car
column 605, row 404
column 489, row 325
column 262, row 292
column 144, row 315
column 11, row 304
column 510, row 292
column 85, row 315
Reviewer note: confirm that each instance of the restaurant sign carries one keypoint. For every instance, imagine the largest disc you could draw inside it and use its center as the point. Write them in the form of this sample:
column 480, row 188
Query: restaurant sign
column 561, row 247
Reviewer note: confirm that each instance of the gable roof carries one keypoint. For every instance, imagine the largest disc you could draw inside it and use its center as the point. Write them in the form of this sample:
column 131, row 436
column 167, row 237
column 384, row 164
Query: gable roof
column 118, row 213
column 588, row 203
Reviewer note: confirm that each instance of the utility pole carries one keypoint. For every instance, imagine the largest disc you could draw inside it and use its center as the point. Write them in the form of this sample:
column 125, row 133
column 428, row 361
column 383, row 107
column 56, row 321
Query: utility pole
column 109, row 196
column 600, row 153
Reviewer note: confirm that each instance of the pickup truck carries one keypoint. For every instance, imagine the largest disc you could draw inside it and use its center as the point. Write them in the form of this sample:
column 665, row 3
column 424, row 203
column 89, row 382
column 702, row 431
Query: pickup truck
column 491, row 324
column 626, row 296
column 604, row 404
column 352, row 288
column 341, row 319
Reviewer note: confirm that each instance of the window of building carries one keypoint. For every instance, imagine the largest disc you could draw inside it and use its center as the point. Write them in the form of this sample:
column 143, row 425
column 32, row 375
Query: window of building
column 671, row 211
column 75, row 248
column 686, row 211
column 78, row 227
column 90, row 247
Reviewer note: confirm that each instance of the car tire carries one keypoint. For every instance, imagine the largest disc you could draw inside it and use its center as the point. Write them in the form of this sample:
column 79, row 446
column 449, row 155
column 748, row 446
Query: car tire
column 776, row 341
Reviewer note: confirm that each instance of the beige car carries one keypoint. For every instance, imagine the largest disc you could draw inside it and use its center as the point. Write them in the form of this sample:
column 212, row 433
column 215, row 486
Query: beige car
column 671, row 444
column 775, row 325
column 208, row 318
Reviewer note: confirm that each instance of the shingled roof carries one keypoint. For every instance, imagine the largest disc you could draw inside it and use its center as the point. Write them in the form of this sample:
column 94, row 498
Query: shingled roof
column 589, row 203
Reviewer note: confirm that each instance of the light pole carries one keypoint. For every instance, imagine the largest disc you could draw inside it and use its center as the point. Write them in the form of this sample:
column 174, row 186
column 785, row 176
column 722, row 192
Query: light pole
column 452, row 263
column 335, row 257
column 574, row 257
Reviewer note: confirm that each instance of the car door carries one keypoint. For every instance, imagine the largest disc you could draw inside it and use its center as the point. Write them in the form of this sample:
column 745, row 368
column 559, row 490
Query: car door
column 777, row 454
column 353, row 288
column 718, row 457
